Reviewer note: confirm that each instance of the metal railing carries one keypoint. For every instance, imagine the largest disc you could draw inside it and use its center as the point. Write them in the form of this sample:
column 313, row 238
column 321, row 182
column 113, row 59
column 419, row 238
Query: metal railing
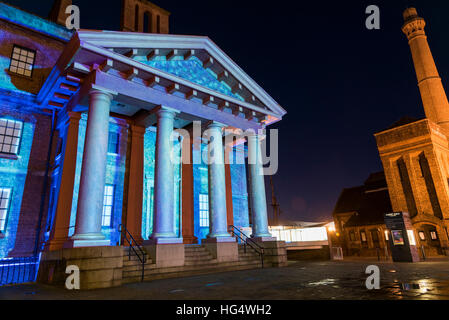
column 18, row 270
column 236, row 232
column 134, row 247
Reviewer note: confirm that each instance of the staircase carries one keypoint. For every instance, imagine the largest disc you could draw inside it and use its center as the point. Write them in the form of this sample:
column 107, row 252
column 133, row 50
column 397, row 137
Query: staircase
column 197, row 261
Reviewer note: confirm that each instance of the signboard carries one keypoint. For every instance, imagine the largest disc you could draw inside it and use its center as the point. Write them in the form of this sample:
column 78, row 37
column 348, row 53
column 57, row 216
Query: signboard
column 402, row 241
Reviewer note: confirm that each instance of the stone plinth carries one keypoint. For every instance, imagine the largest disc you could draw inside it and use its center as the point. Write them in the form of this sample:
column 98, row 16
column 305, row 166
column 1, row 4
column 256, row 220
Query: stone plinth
column 275, row 253
column 166, row 255
column 223, row 249
column 100, row 267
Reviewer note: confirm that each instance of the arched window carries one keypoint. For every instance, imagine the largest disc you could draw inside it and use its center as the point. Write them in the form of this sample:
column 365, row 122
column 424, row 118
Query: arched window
column 147, row 22
column 136, row 18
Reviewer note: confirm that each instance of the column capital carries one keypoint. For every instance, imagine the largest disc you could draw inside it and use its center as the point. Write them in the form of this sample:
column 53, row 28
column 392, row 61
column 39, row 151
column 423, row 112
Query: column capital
column 215, row 125
column 103, row 91
column 165, row 112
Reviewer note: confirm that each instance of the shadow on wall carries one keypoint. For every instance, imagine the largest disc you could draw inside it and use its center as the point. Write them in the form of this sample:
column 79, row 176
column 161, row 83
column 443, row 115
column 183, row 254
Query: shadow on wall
column 32, row 85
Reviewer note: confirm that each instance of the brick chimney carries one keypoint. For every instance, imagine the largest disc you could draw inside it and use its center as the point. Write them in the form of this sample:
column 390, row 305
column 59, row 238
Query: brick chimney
column 57, row 13
column 436, row 106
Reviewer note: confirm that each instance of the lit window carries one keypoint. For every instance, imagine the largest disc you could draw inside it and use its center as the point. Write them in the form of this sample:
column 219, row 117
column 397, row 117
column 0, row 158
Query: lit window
column 386, row 235
column 433, row 235
column 108, row 205
column 5, row 196
column 10, row 134
column 22, row 61
column 363, row 236
column 113, row 142
column 204, row 210
column 422, row 236
column 411, row 237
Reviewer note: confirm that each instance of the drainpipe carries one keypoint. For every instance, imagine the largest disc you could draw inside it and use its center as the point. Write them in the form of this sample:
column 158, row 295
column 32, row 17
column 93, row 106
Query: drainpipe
column 44, row 187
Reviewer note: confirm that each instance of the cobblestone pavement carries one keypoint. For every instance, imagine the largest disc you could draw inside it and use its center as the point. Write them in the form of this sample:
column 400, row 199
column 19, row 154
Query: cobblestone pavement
column 338, row 280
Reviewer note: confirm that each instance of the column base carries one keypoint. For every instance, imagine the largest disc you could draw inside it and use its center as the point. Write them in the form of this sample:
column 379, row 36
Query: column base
column 264, row 238
column 166, row 255
column 73, row 243
column 162, row 241
column 219, row 240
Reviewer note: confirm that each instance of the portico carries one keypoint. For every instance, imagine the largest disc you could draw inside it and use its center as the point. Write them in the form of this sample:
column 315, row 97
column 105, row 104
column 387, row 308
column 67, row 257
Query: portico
column 166, row 83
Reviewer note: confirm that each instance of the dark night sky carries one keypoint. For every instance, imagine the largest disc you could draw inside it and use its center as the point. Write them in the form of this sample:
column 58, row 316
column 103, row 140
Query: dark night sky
column 339, row 82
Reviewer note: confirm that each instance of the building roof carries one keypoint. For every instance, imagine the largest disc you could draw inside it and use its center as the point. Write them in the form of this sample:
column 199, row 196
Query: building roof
column 368, row 202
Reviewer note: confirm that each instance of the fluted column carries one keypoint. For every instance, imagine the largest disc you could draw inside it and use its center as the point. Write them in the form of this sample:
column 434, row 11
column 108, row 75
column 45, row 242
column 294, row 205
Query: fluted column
column 164, row 213
column 256, row 190
column 93, row 171
column 217, row 183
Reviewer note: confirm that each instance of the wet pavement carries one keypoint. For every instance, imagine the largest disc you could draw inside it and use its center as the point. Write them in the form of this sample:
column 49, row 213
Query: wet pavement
column 329, row 280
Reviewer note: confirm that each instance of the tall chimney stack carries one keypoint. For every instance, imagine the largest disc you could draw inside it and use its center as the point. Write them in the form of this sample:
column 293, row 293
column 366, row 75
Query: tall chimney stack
column 57, row 13
column 436, row 106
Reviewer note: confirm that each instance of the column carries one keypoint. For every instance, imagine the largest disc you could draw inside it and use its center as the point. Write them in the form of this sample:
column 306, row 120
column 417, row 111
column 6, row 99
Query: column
column 217, row 184
column 164, row 213
column 68, row 130
column 93, row 173
column 135, row 184
column 257, row 194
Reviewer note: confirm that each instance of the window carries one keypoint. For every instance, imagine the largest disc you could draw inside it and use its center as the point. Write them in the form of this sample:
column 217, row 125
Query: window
column 363, row 236
column 386, row 235
column 113, row 142
column 352, row 236
column 22, row 61
column 108, row 206
column 5, row 196
column 10, row 134
column 433, row 235
column 422, row 236
column 204, row 210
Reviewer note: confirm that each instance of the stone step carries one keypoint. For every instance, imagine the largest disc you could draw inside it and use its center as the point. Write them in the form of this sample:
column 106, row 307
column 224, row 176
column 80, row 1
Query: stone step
column 187, row 273
column 136, row 263
column 139, row 268
column 197, row 254
column 194, row 258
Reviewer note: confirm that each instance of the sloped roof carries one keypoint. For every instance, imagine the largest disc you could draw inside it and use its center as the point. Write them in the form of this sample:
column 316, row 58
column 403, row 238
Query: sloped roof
column 369, row 202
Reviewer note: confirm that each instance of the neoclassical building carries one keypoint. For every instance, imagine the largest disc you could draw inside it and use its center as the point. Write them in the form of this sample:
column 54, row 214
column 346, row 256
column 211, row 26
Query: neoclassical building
column 89, row 124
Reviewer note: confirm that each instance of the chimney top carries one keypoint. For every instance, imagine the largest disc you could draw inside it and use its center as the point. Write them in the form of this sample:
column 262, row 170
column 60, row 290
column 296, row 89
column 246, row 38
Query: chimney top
column 410, row 14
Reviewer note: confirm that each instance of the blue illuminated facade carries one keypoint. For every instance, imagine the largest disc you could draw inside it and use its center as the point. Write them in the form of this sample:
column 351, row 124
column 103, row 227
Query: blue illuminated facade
column 45, row 174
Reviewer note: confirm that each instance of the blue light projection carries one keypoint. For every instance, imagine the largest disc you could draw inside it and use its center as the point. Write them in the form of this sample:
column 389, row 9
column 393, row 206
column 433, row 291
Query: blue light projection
column 13, row 174
column 191, row 70
column 34, row 22
column 115, row 175
column 148, row 192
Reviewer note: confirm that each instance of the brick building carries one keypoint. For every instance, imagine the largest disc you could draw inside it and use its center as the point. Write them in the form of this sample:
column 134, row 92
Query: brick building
column 415, row 158
column 87, row 135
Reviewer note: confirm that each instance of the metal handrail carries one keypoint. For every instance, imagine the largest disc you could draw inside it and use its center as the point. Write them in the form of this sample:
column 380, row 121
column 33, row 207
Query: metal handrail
column 18, row 270
column 140, row 253
column 248, row 241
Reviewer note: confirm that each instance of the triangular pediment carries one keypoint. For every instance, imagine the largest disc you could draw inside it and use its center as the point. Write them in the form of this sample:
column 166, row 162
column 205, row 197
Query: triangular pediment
column 191, row 58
